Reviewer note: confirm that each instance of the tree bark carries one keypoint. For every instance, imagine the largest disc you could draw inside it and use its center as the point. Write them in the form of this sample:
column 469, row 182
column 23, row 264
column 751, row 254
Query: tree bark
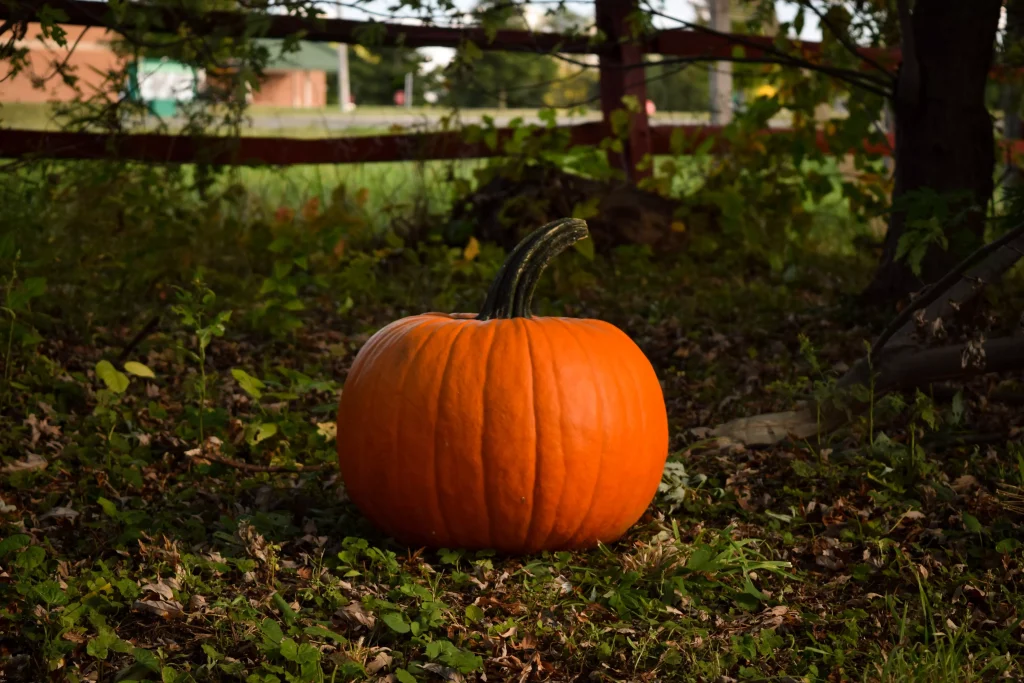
column 944, row 133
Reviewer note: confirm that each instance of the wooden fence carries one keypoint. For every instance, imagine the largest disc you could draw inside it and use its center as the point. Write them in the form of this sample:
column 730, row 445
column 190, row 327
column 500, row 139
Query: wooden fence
column 619, row 77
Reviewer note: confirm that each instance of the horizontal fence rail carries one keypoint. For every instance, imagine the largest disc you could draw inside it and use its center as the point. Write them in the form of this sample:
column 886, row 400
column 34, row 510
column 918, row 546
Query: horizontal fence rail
column 619, row 59
column 672, row 42
column 250, row 151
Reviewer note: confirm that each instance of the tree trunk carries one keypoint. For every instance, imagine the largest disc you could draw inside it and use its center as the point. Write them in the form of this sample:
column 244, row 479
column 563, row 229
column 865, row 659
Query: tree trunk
column 944, row 135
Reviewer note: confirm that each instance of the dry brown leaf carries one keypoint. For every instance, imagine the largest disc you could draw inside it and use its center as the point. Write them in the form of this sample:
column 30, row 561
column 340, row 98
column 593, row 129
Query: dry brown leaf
column 446, row 673
column 965, row 483
column 60, row 513
column 355, row 613
column 159, row 588
column 166, row 609
column 380, row 662
column 32, row 462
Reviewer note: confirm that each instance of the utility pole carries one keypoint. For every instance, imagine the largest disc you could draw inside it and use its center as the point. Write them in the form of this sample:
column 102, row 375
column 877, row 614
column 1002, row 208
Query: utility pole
column 344, row 93
column 720, row 76
column 1011, row 95
column 408, row 90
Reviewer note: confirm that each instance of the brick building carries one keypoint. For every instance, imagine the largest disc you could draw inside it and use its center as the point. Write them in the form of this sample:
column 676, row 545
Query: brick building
column 298, row 79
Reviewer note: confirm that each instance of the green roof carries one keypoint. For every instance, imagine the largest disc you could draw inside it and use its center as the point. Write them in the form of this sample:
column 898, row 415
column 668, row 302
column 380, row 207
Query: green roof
column 309, row 57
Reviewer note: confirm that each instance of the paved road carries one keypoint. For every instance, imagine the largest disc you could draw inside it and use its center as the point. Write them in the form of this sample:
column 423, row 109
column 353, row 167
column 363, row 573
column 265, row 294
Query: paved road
column 384, row 120
column 322, row 121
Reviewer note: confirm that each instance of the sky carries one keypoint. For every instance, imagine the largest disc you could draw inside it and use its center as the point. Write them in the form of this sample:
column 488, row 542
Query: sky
column 683, row 9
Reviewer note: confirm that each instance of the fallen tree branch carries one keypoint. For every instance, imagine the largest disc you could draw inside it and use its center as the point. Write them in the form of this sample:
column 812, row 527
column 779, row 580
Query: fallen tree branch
column 996, row 258
column 902, row 368
column 895, row 361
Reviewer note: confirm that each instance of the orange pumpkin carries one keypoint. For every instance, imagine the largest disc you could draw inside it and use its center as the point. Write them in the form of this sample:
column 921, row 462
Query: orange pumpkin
column 500, row 430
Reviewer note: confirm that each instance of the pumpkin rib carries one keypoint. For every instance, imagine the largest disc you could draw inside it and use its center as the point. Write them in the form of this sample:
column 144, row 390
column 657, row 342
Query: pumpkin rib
column 626, row 504
column 558, row 410
column 582, row 526
column 600, row 515
column 387, row 512
column 564, row 442
column 437, row 431
column 402, row 379
column 380, row 345
column 484, row 459
column 537, row 457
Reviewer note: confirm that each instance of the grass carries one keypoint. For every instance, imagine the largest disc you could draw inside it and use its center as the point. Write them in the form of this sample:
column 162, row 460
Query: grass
column 128, row 554
column 277, row 120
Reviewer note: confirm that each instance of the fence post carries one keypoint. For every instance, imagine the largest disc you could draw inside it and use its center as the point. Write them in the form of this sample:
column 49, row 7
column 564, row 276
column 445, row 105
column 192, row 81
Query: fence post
column 617, row 82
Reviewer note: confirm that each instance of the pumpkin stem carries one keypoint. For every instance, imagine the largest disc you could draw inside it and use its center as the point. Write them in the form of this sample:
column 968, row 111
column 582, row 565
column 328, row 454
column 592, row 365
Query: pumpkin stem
column 511, row 292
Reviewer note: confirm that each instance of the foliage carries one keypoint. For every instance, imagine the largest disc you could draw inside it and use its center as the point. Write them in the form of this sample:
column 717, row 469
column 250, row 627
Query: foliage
column 170, row 507
column 476, row 78
column 375, row 75
column 136, row 548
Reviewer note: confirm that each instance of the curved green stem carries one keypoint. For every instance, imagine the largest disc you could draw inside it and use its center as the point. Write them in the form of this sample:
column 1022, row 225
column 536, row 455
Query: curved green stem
column 511, row 292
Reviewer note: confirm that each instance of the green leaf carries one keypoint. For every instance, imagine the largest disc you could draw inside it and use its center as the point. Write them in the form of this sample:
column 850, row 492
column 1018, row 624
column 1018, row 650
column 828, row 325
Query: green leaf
column 50, row 593
column 700, row 560
column 971, row 523
column 271, row 630
column 474, row 613
column 32, row 557
column 212, row 654
column 14, row 542
column 146, row 659
column 108, row 507
column 290, row 650
column 115, row 380
column 585, row 248
column 319, row 631
column 1007, row 545
column 404, row 676
column 396, row 622
column 249, row 384
column 138, row 369
column 264, row 431
column 958, row 407
column 100, row 646
column 287, row 613
column 307, row 655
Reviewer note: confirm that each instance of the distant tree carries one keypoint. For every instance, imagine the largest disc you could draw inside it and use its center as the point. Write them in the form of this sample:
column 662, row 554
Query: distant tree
column 375, row 75
column 678, row 87
column 478, row 78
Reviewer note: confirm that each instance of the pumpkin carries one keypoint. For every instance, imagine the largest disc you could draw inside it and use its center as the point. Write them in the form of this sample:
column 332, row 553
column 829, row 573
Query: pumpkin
column 500, row 430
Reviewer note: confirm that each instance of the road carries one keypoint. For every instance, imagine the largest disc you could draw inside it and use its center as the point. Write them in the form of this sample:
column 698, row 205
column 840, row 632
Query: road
column 419, row 120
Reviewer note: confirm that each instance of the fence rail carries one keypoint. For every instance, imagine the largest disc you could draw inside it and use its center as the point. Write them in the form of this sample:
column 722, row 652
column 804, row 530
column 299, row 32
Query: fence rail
column 256, row 151
column 619, row 77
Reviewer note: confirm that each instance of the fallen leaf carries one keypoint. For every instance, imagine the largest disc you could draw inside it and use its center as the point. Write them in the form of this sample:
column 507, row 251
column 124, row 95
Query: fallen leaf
column 447, row 673
column 354, row 612
column 60, row 513
column 965, row 483
column 159, row 588
column 166, row 609
column 32, row 462
column 378, row 663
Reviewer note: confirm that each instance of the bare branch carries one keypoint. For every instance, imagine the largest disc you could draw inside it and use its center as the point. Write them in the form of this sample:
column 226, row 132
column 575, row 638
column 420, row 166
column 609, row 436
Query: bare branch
column 995, row 259
column 844, row 40
column 846, row 75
